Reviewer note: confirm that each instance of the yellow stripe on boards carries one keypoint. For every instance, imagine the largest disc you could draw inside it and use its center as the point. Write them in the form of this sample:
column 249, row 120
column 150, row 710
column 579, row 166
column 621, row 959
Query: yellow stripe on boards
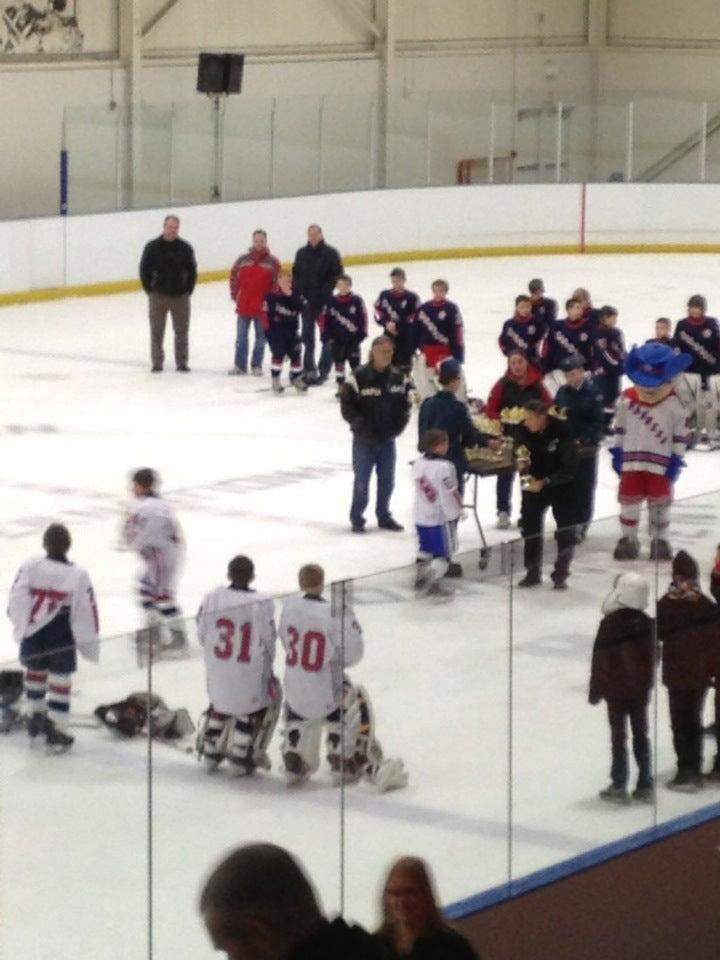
column 361, row 259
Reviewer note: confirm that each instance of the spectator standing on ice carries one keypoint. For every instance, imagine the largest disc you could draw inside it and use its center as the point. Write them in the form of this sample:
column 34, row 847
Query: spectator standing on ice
column 253, row 276
column 316, row 270
column 168, row 273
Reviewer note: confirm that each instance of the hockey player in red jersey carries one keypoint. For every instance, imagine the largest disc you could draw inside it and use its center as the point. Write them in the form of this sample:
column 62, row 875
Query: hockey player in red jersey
column 651, row 435
column 53, row 611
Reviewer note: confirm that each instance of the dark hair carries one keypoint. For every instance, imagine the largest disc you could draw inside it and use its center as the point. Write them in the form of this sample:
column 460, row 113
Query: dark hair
column 516, row 351
column 145, row 477
column 398, row 272
column 241, row 571
column 698, row 300
column 442, row 283
column 571, row 301
column 418, row 873
column 536, row 405
column 56, row 540
column 260, row 231
column 666, row 320
column 346, row 277
column 172, row 216
column 432, row 439
column 608, row 311
column 382, row 339
column 261, row 882
column 536, row 285
column 522, row 298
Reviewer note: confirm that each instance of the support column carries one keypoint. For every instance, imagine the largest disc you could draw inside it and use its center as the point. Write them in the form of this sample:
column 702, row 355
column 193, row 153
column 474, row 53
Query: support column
column 387, row 11
column 597, row 30
column 130, row 49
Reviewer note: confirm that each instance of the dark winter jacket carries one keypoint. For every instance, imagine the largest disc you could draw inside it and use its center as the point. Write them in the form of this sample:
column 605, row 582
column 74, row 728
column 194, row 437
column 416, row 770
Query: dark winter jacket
column 445, row 412
column 338, row 941
column 553, row 454
column 689, row 629
column 584, row 408
column 168, row 267
column 375, row 403
column 438, row 945
column 623, row 657
column 315, row 272
column 508, row 393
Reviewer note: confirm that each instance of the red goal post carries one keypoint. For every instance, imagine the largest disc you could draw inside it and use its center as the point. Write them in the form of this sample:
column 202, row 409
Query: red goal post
column 501, row 169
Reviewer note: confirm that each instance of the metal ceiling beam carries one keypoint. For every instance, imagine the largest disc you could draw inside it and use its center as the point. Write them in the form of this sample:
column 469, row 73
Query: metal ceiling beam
column 155, row 19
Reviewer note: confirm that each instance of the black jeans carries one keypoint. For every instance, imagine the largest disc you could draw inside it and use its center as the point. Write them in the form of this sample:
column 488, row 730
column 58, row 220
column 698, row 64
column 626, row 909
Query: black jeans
column 532, row 514
column 584, row 484
column 619, row 712
column 686, row 708
column 309, row 321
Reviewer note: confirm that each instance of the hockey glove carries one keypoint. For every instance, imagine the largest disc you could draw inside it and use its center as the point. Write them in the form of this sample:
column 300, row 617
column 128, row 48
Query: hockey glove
column 617, row 459
column 673, row 470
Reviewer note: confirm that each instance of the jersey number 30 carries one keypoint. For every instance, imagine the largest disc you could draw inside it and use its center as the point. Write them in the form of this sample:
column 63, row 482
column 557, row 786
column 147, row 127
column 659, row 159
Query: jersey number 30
column 226, row 636
column 312, row 653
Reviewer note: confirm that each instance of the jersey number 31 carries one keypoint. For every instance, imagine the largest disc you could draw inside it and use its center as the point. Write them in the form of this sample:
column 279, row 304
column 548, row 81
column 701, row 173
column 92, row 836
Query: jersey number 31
column 226, row 635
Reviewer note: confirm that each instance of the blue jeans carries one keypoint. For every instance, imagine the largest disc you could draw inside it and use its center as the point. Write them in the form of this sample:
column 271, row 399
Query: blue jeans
column 241, row 342
column 365, row 456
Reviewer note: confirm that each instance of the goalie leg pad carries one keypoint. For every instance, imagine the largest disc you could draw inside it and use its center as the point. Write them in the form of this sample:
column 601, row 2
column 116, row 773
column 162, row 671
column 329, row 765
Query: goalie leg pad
column 425, row 384
column 301, row 746
column 713, row 408
column 214, row 731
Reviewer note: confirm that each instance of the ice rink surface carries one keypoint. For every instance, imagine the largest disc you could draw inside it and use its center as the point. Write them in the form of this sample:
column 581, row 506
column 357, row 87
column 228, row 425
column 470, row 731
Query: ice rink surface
column 251, row 472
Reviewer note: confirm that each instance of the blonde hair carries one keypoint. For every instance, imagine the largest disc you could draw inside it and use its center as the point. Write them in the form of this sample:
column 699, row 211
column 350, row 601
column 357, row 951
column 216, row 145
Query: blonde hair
column 418, row 873
column 311, row 577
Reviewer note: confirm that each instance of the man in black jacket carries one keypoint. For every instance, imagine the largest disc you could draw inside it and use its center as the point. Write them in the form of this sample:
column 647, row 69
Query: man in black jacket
column 168, row 273
column 316, row 269
column 547, row 461
column 584, row 408
column 374, row 402
column 259, row 905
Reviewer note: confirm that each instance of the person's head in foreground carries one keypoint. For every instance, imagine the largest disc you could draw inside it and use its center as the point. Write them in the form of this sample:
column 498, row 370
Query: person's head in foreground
column 257, row 904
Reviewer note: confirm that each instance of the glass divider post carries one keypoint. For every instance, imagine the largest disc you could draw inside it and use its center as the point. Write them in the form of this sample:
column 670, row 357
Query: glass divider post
column 629, row 135
column 558, row 142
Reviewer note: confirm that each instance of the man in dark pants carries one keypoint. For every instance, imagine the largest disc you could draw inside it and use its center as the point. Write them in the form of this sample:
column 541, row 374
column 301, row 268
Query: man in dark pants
column 547, row 461
column 316, row 269
column 374, row 402
column 168, row 273
column 583, row 404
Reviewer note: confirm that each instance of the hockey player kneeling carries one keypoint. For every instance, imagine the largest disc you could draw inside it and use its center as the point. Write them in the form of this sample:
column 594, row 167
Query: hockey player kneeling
column 319, row 645
column 236, row 627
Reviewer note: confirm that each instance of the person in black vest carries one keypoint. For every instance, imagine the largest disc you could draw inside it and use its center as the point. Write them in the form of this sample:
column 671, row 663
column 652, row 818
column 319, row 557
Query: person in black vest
column 374, row 402
column 316, row 270
column 583, row 404
column 546, row 459
column 168, row 273
column 258, row 903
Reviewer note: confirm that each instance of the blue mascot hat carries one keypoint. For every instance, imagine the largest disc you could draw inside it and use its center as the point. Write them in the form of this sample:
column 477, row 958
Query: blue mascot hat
column 654, row 364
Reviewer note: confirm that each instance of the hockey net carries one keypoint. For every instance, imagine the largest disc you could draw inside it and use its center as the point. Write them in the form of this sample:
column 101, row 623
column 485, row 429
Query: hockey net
column 499, row 169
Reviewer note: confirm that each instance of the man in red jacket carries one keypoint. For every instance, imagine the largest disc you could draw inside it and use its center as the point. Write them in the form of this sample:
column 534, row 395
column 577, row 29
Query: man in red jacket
column 253, row 275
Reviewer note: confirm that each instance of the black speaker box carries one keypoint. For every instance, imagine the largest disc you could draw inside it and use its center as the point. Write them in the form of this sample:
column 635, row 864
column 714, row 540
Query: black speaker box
column 220, row 72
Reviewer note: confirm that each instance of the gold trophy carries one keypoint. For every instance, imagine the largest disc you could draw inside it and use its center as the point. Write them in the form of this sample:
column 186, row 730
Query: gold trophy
column 522, row 460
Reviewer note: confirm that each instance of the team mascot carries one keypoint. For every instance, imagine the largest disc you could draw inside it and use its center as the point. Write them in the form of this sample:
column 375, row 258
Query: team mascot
column 651, row 436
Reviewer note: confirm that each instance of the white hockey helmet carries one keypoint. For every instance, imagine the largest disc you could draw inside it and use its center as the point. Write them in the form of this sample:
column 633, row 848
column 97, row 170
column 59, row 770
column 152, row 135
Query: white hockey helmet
column 630, row 591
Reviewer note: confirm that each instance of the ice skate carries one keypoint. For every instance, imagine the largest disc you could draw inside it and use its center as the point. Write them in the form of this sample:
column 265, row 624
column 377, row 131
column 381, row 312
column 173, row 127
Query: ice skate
column 614, row 794
column 454, row 571
column 241, row 767
column 298, row 381
column 503, row 520
column 422, row 575
column 57, row 740
column 37, row 724
column 277, row 387
column 10, row 719
column 440, row 591
column 211, row 761
column 627, row 548
column 660, row 549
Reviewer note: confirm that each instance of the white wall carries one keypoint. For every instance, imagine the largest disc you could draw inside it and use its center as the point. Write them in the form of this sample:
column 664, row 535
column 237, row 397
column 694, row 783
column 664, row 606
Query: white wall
column 73, row 251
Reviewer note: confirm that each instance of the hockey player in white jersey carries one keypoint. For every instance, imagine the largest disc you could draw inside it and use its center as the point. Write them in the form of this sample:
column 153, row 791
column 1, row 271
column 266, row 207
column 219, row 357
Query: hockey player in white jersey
column 438, row 505
column 154, row 534
column 320, row 643
column 236, row 628
column 53, row 611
